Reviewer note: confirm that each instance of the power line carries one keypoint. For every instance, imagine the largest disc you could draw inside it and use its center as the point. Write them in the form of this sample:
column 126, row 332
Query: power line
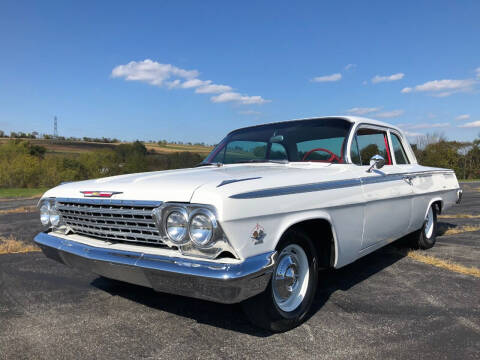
column 55, row 128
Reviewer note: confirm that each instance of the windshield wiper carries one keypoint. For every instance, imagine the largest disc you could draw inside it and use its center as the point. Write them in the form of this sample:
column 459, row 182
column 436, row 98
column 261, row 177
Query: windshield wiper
column 263, row 161
column 217, row 164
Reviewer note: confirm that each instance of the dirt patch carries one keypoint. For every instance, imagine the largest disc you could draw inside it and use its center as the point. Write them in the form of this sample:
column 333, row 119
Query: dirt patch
column 21, row 209
column 459, row 216
column 11, row 245
column 444, row 264
column 453, row 229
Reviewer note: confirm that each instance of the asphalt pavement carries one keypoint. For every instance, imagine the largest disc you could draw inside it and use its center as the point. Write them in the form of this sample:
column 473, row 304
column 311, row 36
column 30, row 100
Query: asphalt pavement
column 385, row 305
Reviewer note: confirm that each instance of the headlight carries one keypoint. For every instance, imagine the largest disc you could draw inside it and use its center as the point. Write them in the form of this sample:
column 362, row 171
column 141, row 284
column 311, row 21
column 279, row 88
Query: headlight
column 176, row 225
column 49, row 214
column 45, row 214
column 54, row 217
column 201, row 227
column 193, row 229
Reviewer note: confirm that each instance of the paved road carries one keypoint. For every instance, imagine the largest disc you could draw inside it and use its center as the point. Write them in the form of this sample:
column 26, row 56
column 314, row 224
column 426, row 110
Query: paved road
column 382, row 306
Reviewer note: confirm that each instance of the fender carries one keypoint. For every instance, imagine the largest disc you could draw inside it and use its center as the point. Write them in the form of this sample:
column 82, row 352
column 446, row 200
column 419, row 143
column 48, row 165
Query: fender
column 435, row 199
column 292, row 219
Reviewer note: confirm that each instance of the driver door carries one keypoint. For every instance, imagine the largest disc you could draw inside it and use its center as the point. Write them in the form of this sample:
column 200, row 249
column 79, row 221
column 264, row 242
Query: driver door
column 388, row 196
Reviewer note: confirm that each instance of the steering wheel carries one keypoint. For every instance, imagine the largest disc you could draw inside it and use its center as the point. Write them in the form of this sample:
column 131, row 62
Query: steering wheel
column 332, row 155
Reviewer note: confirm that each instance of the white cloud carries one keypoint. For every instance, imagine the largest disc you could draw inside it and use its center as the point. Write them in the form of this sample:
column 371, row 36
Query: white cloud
column 236, row 97
column 172, row 77
column 352, row 66
column 362, row 110
column 442, row 88
column 213, row 89
column 193, row 83
column 477, row 70
column 427, row 125
column 473, row 124
column 328, row 78
column 378, row 79
column 151, row 72
column 249, row 112
column 389, row 114
column 463, row 117
column 412, row 134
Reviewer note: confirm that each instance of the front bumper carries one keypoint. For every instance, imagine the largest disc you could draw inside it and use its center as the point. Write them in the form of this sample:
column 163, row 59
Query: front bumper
column 220, row 282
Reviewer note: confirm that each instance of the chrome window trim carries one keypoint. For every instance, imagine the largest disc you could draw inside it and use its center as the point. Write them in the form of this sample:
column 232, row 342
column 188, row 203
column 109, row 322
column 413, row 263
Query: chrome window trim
column 354, row 133
column 401, row 138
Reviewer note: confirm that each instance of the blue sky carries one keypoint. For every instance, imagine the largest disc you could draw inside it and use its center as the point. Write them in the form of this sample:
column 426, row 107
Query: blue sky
column 194, row 70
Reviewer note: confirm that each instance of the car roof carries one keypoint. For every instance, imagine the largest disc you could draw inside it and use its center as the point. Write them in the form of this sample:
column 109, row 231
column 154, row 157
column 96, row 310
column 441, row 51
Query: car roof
column 352, row 119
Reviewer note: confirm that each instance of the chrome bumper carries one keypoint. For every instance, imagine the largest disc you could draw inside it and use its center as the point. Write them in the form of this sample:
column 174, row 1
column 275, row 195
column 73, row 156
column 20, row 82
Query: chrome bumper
column 219, row 282
column 459, row 195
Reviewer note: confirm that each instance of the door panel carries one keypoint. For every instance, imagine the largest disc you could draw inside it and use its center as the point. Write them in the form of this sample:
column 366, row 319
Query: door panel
column 388, row 195
column 388, row 205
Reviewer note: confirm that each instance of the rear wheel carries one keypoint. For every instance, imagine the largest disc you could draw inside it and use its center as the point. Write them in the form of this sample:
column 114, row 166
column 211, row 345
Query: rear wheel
column 426, row 237
column 289, row 295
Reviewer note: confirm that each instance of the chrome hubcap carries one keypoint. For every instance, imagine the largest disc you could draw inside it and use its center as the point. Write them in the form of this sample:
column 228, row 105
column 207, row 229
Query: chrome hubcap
column 286, row 277
column 290, row 279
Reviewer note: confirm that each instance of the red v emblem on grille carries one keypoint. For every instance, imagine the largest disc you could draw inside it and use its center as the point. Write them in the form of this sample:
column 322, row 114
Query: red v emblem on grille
column 102, row 194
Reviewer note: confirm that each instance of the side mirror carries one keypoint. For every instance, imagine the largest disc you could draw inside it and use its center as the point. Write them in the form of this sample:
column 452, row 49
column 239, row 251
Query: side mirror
column 376, row 162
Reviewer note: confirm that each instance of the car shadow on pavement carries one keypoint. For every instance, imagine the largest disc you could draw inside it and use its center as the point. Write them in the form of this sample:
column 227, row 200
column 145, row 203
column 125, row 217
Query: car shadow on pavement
column 231, row 317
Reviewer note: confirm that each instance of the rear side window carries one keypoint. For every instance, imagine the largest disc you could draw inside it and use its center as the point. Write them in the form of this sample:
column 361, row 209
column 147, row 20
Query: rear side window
column 400, row 154
column 372, row 142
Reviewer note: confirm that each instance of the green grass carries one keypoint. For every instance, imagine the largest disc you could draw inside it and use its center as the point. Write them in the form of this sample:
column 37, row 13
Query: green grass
column 468, row 180
column 20, row 193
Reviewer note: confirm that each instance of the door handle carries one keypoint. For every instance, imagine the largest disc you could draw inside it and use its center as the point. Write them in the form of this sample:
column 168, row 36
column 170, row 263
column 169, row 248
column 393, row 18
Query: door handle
column 408, row 179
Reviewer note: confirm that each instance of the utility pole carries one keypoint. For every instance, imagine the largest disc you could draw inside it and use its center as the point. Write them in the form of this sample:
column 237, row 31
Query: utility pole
column 55, row 129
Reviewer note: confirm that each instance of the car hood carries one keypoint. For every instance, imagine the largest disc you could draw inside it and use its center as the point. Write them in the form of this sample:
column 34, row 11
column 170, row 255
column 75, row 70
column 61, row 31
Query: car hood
column 180, row 185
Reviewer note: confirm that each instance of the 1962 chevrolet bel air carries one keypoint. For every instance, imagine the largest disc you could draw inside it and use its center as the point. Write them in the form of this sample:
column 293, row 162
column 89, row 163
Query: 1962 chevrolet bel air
column 257, row 219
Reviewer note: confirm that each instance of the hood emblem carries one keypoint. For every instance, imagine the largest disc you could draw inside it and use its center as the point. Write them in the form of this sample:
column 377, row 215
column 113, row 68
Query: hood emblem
column 102, row 194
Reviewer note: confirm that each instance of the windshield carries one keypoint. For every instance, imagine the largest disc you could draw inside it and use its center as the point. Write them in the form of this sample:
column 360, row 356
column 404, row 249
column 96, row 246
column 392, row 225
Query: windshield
column 321, row 140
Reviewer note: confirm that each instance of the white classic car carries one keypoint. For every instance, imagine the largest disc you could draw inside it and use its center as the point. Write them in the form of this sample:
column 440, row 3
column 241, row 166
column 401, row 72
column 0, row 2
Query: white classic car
column 256, row 220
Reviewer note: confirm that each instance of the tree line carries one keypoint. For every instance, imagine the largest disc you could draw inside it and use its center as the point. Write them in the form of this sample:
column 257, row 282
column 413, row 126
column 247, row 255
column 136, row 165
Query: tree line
column 23, row 164
column 36, row 135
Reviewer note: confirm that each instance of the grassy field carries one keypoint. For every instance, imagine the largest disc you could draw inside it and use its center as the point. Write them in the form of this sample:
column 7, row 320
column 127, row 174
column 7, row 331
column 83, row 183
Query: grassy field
column 78, row 147
column 11, row 193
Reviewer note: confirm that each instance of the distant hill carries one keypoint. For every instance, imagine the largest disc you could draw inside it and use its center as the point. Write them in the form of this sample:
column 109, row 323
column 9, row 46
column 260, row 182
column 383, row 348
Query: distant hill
column 68, row 146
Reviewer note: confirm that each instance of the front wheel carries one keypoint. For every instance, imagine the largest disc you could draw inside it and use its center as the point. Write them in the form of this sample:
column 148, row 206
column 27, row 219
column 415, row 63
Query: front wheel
column 289, row 295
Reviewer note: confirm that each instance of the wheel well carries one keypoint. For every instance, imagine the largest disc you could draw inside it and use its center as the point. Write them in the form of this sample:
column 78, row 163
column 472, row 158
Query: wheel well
column 320, row 232
column 438, row 205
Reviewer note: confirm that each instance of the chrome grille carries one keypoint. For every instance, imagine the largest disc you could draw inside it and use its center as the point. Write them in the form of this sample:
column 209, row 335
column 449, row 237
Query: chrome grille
column 113, row 220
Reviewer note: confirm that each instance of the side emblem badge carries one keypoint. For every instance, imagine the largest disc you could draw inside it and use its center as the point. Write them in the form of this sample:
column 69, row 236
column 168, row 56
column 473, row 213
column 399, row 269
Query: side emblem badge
column 258, row 234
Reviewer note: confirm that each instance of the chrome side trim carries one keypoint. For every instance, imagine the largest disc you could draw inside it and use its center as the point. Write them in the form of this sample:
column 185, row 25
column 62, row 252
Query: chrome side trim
column 334, row 184
column 298, row 189
column 220, row 282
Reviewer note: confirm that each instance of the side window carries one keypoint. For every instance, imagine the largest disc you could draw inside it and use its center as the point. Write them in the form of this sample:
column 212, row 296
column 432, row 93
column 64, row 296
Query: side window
column 372, row 142
column 400, row 155
column 278, row 152
column 238, row 151
column 355, row 153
